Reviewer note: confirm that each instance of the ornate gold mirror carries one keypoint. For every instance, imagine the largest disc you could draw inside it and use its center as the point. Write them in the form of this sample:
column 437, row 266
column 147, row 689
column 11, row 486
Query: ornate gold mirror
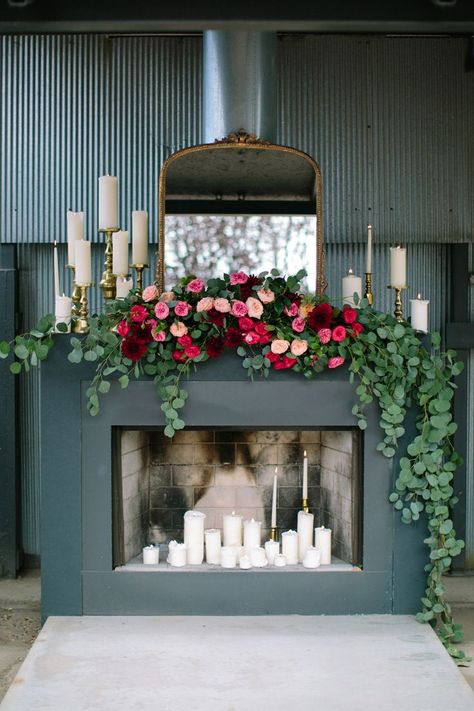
column 240, row 203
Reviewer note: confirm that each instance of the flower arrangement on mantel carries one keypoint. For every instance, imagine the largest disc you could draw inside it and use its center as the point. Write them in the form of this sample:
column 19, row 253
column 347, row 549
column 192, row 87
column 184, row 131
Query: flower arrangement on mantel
column 271, row 325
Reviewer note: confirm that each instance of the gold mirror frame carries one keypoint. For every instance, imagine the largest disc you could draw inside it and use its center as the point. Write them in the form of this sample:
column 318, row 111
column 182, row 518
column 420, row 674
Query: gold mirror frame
column 240, row 140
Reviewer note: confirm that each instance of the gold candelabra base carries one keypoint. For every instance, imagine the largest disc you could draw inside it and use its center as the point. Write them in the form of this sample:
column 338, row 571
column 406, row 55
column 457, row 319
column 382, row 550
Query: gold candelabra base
column 81, row 324
column 139, row 276
column 108, row 281
column 368, row 288
column 398, row 311
column 305, row 505
column 273, row 533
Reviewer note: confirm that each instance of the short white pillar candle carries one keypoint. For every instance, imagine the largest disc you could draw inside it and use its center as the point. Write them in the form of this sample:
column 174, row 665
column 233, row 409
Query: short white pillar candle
column 351, row 284
column 83, row 262
column 108, row 202
column 194, row 536
column 258, row 557
column 419, row 314
column 312, row 558
column 252, row 534
column 120, row 253
column 322, row 540
column 232, row 526
column 212, row 539
column 304, row 527
column 245, row 563
column 239, row 552
column 123, row 286
column 272, row 548
column 279, row 561
column 177, row 554
column 228, row 557
column 139, row 237
column 398, row 267
column 75, row 231
column 289, row 546
column 151, row 555
column 63, row 309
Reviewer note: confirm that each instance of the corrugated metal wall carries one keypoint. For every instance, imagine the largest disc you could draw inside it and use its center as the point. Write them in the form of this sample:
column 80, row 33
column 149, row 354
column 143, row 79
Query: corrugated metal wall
column 389, row 119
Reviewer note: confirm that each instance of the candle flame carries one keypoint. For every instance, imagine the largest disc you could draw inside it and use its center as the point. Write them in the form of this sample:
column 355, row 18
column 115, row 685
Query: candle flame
column 233, row 513
column 419, row 296
column 349, row 271
column 369, row 227
column 276, row 470
column 304, row 453
column 55, row 244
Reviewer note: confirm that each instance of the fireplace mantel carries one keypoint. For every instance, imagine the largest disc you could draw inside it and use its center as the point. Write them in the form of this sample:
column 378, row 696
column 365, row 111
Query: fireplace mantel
column 76, row 516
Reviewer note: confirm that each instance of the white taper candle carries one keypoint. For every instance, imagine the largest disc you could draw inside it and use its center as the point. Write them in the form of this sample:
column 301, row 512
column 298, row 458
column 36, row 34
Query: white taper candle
column 368, row 266
column 274, row 500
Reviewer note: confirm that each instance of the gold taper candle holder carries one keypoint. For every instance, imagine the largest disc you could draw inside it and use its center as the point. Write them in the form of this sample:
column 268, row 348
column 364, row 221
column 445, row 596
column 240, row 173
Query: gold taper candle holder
column 139, row 271
column 273, row 533
column 398, row 312
column 108, row 281
column 305, row 505
column 76, row 293
column 368, row 288
column 82, row 321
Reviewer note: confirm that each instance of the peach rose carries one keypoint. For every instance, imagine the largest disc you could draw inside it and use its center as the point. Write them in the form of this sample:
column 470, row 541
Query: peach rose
column 255, row 307
column 279, row 345
column 305, row 310
column 266, row 296
column 298, row 347
column 178, row 329
column 167, row 296
column 222, row 305
column 205, row 304
column 150, row 293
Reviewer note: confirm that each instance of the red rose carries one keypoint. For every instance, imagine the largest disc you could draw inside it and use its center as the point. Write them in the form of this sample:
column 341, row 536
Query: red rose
column 232, row 338
column 349, row 314
column 214, row 347
column 123, row 329
column 357, row 328
column 179, row 356
column 284, row 363
column 215, row 317
column 339, row 333
column 272, row 357
column 320, row 317
column 138, row 313
column 260, row 328
column 133, row 348
column 192, row 351
column 185, row 340
column 245, row 323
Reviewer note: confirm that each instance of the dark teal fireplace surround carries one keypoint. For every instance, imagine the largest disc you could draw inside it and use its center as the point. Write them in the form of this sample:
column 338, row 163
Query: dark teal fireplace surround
column 76, row 510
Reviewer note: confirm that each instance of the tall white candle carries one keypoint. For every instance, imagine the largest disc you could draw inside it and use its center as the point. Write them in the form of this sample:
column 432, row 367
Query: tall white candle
column 232, row 526
column 83, row 262
column 120, row 253
column 305, row 532
column 419, row 314
column 75, row 231
column 108, row 202
column 368, row 266
column 289, row 546
column 351, row 284
column 274, row 500
column 212, row 538
column 305, row 475
column 322, row 540
column 252, row 534
column 139, row 237
column 194, row 536
column 398, row 267
column 56, row 269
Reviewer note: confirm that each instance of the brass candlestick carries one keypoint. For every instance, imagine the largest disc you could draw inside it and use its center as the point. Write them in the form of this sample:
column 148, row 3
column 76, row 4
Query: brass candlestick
column 139, row 270
column 76, row 292
column 108, row 281
column 305, row 505
column 82, row 321
column 368, row 288
column 273, row 533
column 398, row 312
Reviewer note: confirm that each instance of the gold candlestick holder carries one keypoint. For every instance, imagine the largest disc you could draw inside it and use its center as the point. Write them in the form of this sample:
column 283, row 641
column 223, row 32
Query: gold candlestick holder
column 305, row 505
column 273, row 533
column 76, row 293
column 108, row 281
column 368, row 288
column 82, row 321
column 398, row 312
column 139, row 275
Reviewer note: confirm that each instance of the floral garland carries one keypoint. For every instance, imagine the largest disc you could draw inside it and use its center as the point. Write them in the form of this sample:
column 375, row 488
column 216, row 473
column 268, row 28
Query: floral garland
column 271, row 325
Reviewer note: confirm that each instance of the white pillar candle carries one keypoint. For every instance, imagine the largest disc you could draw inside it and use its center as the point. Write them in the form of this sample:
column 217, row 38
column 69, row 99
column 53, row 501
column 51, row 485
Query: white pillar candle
column 305, row 475
column 108, row 202
column 232, row 526
column 194, row 536
column 274, row 500
column 312, row 558
column 212, row 539
column 239, row 552
column 56, row 269
column 123, row 286
column 272, row 549
column 139, row 237
column 245, row 563
column 75, row 231
column 368, row 266
column 289, row 546
column 419, row 314
column 120, row 253
column 83, row 262
column 177, row 554
column 398, row 267
column 322, row 540
column 280, row 561
column 351, row 284
column 258, row 557
column 228, row 557
column 305, row 532
column 151, row 555
column 63, row 309
column 252, row 534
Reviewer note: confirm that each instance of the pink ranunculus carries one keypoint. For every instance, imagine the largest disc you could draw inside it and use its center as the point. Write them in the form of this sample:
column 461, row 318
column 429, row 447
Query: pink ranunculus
column 150, row 293
column 178, row 329
column 159, row 336
column 167, row 296
column 292, row 310
column 138, row 313
column 123, row 328
column 335, row 362
column 182, row 308
column 298, row 324
column 238, row 278
column 339, row 333
column 196, row 286
column 279, row 345
column 324, row 335
column 298, row 346
column 266, row 296
column 251, row 338
column 239, row 308
column 222, row 305
column 161, row 310
column 151, row 323
column 192, row 351
column 204, row 304
column 255, row 307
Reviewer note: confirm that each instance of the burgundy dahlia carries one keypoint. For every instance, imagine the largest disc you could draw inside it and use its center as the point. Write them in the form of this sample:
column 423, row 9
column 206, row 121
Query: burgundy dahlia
column 133, row 348
column 215, row 317
column 214, row 347
column 246, row 289
column 232, row 337
column 320, row 317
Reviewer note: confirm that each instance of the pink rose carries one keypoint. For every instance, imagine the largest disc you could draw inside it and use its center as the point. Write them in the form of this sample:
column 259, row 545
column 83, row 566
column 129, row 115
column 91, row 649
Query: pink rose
column 178, row 329
column 161, row 310
column 266, row 296
column 298, row 324
column 238, row 308
column 339, row 333
column 291, row 310
column 222, row 305
column 324, row 335
column 160, row 336
column 279, row 346
column 238, row 278
column 335, row 362
column 298, row 347
column 167, row 296
column 195, row 286
column 150, row 293
column 255, row 307
column 251, row 338
column 182, row 308
column 151, row 323
column 138, row 313
column 123, row 328
column 204, row 304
